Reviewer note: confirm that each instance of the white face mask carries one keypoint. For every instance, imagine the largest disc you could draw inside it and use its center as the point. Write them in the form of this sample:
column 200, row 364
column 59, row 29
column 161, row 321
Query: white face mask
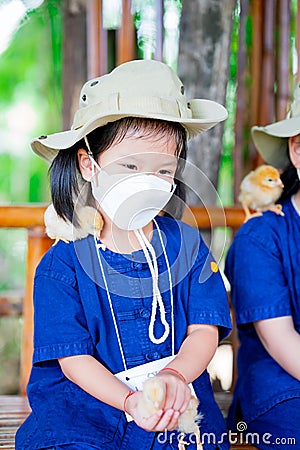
column 298, row 173
column 130, row 201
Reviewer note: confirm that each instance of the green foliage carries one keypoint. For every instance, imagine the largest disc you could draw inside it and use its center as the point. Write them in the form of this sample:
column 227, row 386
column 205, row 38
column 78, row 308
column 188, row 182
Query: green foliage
column 30, row 100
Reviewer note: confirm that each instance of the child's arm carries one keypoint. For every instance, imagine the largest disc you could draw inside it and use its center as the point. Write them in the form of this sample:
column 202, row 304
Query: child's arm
column 193, row 357
column 196, row 351
column 282, row 342
column 94, row 378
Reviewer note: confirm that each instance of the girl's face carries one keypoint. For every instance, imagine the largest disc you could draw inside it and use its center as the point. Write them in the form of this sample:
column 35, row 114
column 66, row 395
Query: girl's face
column 135, row 154
column 294, row 149
column 141, row 155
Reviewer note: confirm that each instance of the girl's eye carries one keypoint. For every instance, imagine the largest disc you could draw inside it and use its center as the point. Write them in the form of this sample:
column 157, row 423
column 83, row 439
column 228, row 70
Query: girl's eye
column 130, row 166
column 165, row 172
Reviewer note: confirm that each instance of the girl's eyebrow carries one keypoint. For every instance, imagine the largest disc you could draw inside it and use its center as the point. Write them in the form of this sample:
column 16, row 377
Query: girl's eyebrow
column 170, row 160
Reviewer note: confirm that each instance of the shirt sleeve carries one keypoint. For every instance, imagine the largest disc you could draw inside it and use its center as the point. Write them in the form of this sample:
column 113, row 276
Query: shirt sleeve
column 60, row 327
column 208, row 301
column 254, row 268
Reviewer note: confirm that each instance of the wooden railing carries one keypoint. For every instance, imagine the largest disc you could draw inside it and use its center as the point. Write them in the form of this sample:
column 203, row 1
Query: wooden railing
column 31, row 217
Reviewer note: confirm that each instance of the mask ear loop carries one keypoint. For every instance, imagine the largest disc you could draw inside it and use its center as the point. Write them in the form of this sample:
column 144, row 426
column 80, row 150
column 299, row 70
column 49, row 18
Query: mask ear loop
column 91, row 156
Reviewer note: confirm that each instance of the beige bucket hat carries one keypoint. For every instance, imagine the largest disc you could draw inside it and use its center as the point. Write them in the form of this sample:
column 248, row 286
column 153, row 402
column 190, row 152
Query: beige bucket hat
column 141, row 88
column 272, row 140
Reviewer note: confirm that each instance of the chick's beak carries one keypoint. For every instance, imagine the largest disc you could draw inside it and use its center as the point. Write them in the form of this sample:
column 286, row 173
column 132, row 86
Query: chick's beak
column 280, row 183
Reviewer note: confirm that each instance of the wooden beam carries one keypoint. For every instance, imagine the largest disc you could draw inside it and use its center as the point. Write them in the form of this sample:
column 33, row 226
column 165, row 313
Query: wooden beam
column 22, row 216
column 213, row 216
column 28, row 216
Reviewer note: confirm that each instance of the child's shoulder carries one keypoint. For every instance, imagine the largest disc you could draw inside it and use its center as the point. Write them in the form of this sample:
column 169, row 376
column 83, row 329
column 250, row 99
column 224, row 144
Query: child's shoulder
column 58, row 259
column 181, row 236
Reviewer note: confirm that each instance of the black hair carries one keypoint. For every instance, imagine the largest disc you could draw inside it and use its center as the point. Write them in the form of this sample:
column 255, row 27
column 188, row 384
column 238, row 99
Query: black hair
column 290, row 181
column 65, row 176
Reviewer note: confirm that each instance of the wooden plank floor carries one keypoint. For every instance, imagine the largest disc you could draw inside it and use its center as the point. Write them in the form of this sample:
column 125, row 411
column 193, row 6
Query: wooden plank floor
column 13, row 411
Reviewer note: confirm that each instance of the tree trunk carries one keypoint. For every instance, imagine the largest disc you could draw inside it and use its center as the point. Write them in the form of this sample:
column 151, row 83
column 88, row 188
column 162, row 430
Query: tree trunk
column 203, row 67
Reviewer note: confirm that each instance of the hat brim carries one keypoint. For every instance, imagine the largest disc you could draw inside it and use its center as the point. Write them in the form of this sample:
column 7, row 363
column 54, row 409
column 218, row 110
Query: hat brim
column 205, row 115
column 272, row 140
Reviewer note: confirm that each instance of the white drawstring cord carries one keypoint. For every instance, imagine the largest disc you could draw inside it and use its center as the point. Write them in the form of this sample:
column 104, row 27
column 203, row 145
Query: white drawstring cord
column 110, row 303
column 155, row 292
column 157, row 299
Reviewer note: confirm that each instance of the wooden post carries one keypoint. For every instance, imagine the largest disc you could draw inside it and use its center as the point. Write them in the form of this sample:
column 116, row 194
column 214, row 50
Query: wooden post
column 283, row 59
column 96, row 40
column 239, row 125
column 268, row 65
column 256, row 60
column 126, row 35
column 38, row 244
column 257, row 11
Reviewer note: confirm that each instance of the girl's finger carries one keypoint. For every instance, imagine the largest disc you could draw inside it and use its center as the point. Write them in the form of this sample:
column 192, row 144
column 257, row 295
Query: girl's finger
column 165, row 420
column 173, row 423
column 151, row 422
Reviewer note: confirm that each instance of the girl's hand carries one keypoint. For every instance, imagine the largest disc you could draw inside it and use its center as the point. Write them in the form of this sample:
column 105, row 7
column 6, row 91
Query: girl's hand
column 177, row 398
column 178, row 393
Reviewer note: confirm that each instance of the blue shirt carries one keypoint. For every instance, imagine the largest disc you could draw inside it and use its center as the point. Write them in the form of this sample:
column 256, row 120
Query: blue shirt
column 73, row 317
column 262, row 267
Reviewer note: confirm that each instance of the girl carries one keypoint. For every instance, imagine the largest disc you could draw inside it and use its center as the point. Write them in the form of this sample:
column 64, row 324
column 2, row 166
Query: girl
column 263, row 268
column 133, row 295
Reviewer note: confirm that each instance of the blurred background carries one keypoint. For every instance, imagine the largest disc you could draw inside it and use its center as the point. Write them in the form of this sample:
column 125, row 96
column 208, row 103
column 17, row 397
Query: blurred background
column 242, row 53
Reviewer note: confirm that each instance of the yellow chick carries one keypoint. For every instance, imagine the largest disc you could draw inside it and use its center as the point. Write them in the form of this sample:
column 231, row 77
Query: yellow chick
column 59, row 229
column 260, row 190
column 153, row 399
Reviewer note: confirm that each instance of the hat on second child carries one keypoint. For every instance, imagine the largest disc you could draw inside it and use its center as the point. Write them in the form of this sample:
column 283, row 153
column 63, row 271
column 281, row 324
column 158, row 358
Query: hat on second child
column 272, row 140
column 141, row 88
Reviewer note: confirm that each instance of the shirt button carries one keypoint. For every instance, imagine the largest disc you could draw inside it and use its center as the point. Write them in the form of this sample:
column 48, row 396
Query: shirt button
column 145, row 313
column 152, row 356
column 136, row 265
